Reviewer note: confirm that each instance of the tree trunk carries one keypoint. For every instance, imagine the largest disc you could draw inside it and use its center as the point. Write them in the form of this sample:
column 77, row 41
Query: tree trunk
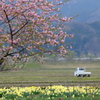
column 2, row 64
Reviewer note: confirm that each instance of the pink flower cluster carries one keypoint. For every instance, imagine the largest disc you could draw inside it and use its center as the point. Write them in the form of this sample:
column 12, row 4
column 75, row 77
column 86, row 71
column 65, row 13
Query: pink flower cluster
column 63, row 50
column 10, row 48
column 14, row 41
column 30, row 24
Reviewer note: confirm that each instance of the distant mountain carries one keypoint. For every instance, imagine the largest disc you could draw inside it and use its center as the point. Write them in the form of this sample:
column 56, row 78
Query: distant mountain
column 87, row 37
column 85, row 27
column 88, row 10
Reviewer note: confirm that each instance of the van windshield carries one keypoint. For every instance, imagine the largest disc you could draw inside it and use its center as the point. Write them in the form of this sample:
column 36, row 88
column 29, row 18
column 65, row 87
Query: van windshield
column 81, row 69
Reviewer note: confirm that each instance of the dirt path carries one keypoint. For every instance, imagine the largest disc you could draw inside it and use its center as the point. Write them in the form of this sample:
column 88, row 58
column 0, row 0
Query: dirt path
column 44, row 84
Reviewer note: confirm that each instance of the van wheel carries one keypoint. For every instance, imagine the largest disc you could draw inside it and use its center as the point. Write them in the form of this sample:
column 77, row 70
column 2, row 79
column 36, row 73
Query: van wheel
column 88, row 75
column 79, row 75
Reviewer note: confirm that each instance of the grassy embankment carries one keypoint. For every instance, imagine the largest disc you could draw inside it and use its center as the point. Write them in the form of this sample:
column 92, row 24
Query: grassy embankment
column 51, row 74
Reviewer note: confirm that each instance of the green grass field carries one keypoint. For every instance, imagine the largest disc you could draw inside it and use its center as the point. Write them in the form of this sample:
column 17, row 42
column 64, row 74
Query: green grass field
column 62, row 73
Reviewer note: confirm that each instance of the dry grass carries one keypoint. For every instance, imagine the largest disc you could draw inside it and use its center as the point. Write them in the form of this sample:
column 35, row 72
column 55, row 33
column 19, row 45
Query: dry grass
column 55, row 73
column 72, row 64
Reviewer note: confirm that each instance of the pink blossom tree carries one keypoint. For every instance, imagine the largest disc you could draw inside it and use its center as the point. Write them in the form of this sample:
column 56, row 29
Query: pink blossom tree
column 31, row 28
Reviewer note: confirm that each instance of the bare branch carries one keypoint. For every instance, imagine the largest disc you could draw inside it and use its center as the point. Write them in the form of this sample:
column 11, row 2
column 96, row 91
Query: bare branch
column 21, row 28
column 8, row 21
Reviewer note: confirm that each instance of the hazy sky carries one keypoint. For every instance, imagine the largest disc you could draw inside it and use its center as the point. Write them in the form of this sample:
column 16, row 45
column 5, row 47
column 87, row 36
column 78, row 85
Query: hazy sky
column 81, row 7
